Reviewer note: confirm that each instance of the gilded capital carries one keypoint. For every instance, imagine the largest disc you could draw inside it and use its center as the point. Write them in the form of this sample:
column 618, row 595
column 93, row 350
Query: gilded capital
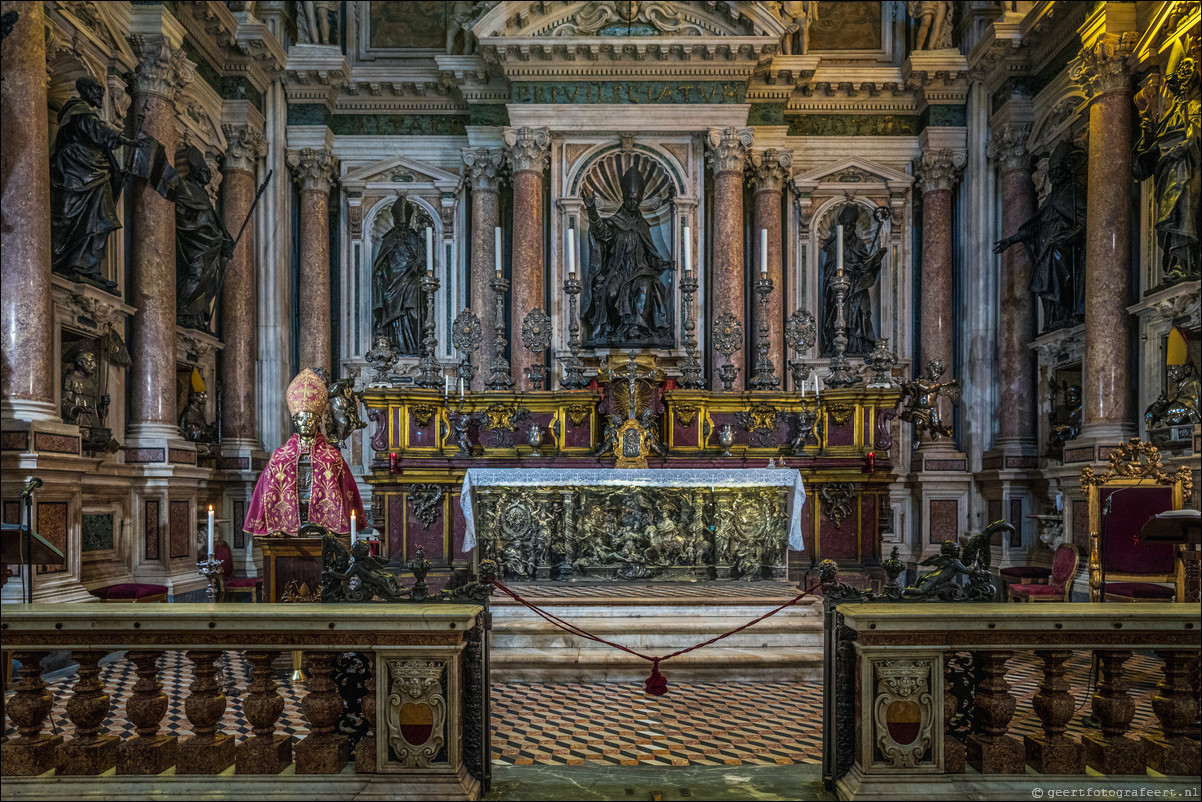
column 939, row 169
column 527, row 148
column 245, row 146
column 1102, row 66
column 1008, row 148
column 313, row 169
column 727, row 147
column 770, row 168
column 483, row 168
column 163, row 69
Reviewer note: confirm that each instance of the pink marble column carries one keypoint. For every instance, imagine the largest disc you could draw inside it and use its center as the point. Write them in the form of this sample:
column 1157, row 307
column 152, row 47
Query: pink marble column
column 1016, row 364
column 727, row 155
column 314, row 171
column 483, row 172
column 770, row 169
column 162, row 72
column 938, row 171
column 526, row 150
column 27, row 386
column 246, row 146
column 1106, row 411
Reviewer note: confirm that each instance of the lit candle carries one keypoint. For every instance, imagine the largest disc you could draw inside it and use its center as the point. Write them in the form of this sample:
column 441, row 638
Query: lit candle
column 210, row 531
column 839, row 249
column 571, row 250
column 763, row 251
column 688, row 249
column 429, row 249
column 446, row 387
column 461, row 388
column 354, row 527
column 498, row 250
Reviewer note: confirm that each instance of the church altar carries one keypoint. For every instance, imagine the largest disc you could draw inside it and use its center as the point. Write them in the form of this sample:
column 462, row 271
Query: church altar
column 666, row 524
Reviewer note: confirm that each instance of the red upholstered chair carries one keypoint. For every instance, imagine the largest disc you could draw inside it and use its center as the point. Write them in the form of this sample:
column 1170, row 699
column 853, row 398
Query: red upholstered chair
column 1017, row 575
column 232, row 586
column 1064, row 569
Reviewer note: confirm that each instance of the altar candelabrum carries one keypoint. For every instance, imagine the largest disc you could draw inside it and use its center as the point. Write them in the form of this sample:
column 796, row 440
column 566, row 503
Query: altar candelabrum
column 765, row 377
column 880, row 361
column 210, row 569
column 728, row 339
column 498, row 370
column 800, row 333
column 573, row 378
column 842, row 374
column 690, row 369
column 536, row 336
column 429, row 372
column 466, row 336
column 381, row 358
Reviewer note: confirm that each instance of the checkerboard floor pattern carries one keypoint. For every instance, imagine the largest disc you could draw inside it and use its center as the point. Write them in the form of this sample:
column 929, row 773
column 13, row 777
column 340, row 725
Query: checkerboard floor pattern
column 704, row 723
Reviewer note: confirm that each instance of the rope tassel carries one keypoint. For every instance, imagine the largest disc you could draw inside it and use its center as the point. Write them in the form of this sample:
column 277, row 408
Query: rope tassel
column 656, row 685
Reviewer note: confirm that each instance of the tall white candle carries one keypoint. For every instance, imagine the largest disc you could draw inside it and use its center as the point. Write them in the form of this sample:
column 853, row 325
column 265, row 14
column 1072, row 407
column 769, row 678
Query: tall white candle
column 817, row 397
column 764, row 251
column 839, row 249
column 354, row 527
column 446, row 387
column 688, row 249
column 460, row 388
column 210, row 531
column 571, row 250
column 429, row 249
column 498, row 250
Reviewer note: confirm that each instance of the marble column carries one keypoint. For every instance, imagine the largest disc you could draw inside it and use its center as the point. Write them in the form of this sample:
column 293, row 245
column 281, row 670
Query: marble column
column 239, row 324
column 314, row 170
column 526, row 150
column 162, row 72
column 483, row 173
column 1017, row 392
column 938, row 171
column 769, row 170
column 1106, row 411
column 727, row 153
column 27, row 386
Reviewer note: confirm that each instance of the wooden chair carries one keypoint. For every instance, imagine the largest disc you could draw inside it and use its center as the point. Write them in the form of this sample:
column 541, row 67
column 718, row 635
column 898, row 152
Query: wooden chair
column 1060, row 583
column 1134, row 488
column 231, row 586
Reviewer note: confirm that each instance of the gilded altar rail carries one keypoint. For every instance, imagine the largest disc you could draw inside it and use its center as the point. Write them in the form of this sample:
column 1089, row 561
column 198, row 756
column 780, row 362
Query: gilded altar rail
column 425, row 703
column 920, row 694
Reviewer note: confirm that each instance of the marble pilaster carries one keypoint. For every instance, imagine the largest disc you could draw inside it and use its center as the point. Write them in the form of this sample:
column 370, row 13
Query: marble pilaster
column 483, row 168
column 938, row 171
column 246, row 146
column 727, row 151
column 526, row 150
column 27, row 386
column 769, row 170
column 314, row 170
column 1107, row 411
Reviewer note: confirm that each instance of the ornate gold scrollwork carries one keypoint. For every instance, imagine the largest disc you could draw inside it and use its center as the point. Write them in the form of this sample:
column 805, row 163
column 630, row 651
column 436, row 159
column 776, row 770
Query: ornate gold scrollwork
column 298, row 592
column 422, row 413
column 579, row 413
column 501, row 417
column 841, row 412
column 760, row 416
column 836, row 500
column 686, row 413
column 1136, row 459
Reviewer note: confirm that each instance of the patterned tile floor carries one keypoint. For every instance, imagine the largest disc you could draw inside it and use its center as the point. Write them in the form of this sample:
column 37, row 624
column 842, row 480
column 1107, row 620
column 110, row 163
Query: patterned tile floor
column 705, row 724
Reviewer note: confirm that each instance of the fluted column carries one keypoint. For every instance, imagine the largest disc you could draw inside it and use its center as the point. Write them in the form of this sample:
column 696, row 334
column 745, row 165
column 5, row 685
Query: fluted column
column 938, row 171
column 314, row 170
column 526, row 149
column 727, row 153
column 483, row 172
column 1106, row 410
column 27, row 383
column 162, row 72
column 246, row 146
column 1016, row 365
column 769, row 170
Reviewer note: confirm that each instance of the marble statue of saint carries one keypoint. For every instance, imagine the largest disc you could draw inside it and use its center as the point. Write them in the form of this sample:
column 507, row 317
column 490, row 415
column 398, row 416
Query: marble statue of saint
column 1055, row 239
column 396, row 275
column 798, row 16
column 933, row 19
column 313, row 22
column 629, row 302
column 1169, row 151
column 1177, row 405
column 85, row 179
column 461, row 15
column 79, row 388
column 202, row 247
column 862, row 267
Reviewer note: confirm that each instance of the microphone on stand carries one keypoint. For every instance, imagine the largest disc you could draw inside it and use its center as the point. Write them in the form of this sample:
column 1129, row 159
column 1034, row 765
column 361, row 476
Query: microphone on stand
column 33, row 484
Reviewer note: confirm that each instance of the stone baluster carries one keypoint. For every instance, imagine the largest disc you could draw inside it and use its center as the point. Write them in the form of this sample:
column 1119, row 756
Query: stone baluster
column 992, row 751
column 150, row 752
column 769, row 170
column 953, row 747
column 322, row 751
column 483, row 169
column 208, row 751
column 1113, row 752
column 1176, row 705
column 937, row 172
column 33, row 751
column 88, row 752
column 727, row 154
column 1106, row 385
column 1053, row 752
column 26, row 314
column 268, row 752
column 526, row 150
column 246, row 146
column 365, row 751
column 314, row 171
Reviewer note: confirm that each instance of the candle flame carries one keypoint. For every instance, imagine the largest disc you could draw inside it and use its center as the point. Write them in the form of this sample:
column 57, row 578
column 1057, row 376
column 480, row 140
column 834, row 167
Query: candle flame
column 210, row 508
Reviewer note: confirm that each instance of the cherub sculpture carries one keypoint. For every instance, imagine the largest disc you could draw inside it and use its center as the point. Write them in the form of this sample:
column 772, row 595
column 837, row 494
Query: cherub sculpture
column 920, row 399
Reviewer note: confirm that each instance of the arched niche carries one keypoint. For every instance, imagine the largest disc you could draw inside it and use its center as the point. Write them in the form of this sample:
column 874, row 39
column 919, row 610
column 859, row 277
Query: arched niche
column 378, row 221
column 865, row 300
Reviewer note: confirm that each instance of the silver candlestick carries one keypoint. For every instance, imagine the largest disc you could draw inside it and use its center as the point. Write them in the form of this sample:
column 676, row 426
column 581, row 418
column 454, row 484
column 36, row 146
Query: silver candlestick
column 429, row 372
column 498, row 370
column 574, row 367
column 466, row 337
column 800, row 333
column 842, row 374
column 765, row 377
column 690, row 369
column 210, row 569
column 728, row 340
column 536, row 336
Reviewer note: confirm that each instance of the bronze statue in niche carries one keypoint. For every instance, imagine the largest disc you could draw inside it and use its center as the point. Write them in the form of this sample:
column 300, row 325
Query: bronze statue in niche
column 396, row 275
column 202, row 247
column 862, row 257
column 79, row 403
column 629, row 302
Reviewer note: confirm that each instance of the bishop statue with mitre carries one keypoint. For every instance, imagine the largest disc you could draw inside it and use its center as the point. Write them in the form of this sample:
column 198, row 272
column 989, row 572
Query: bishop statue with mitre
column 306, row 481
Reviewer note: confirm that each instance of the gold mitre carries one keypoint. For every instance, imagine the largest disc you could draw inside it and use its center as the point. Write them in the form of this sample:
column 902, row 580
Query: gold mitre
column 307, row 393
column 198, row 382
column 1176, row 350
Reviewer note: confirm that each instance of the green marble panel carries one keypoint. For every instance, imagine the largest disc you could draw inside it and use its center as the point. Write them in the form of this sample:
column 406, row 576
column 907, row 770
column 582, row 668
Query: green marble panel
column 853, row 125
column 766, row 114
column 488, row 114
column 399, row 124
column 308, row 114
column 621, row 93
column 943, row 116
column 97, row 532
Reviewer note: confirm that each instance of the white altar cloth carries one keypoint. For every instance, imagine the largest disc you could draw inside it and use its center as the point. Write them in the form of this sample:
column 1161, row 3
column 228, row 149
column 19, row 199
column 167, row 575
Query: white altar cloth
column 611, row 477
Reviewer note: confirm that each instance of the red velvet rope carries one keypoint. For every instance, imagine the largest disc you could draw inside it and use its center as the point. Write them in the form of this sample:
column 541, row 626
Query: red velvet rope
column 655, row 685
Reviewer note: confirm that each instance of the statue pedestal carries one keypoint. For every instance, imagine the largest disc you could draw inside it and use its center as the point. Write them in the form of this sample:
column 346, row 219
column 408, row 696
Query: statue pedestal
column 288, row 559
column 940, row 484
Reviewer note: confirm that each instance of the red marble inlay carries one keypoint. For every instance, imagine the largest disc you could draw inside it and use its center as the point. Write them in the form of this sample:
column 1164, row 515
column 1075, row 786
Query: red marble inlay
column 181, row 456
column 55, row 443
column 239, row 517
column 944, row 520
column 179, row 523
column 52, row 525
column 235, row 463
column 14, row 441
column 1016, row 520
column 394, row 524
column 1078, row 454
column 142, row 455
column 1081, row 524
column 151, row 523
